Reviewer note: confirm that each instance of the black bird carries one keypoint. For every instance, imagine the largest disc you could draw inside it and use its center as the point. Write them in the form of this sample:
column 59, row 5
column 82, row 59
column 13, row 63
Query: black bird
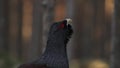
column 55, row 55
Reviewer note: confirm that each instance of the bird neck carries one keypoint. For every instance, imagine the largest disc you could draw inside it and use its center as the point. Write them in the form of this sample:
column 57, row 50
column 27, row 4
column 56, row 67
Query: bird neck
column 57, row 48
column 55, row 55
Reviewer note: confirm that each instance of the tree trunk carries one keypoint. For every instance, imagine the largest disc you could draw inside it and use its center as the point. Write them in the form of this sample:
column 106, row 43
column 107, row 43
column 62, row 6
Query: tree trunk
column 26, row 28
column 19, row 38
column 108, row 22
column 48, row 17
column 6, row 29
column 70, row 12
column 37, row 30
column 115, row 56
column 99, row 28
column 89, row 25
column 78, row 25
column 13, row 19
column 2, row 26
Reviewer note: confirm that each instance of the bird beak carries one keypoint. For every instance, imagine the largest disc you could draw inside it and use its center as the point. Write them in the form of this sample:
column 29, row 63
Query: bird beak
column 69, row 21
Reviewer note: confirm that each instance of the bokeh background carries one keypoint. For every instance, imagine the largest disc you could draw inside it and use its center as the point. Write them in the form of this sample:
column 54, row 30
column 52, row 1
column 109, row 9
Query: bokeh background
column 24, row 26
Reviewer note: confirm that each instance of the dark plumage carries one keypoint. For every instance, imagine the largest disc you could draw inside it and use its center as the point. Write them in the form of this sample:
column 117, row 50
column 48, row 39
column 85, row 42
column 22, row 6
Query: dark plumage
column 55, row 55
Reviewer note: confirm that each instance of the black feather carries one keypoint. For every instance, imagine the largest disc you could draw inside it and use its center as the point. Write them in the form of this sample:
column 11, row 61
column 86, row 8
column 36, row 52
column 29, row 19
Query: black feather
column 55, row 55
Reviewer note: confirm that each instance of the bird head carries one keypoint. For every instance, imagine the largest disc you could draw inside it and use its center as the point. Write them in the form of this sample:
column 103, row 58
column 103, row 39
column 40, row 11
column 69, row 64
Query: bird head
column 61, row 30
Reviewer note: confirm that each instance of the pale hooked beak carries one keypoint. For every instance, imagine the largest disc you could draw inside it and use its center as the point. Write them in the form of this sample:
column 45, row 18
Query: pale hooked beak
column 69, row 21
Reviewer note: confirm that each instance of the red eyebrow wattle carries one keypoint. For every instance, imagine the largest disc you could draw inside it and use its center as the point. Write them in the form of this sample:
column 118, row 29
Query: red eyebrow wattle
column 61, row 25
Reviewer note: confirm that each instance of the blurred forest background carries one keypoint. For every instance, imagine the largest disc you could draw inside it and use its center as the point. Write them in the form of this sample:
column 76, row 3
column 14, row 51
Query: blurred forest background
column 24, row 25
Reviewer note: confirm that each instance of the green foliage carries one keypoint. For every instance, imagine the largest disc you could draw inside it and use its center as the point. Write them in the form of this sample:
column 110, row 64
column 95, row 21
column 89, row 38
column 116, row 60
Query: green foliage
column 7, row 62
